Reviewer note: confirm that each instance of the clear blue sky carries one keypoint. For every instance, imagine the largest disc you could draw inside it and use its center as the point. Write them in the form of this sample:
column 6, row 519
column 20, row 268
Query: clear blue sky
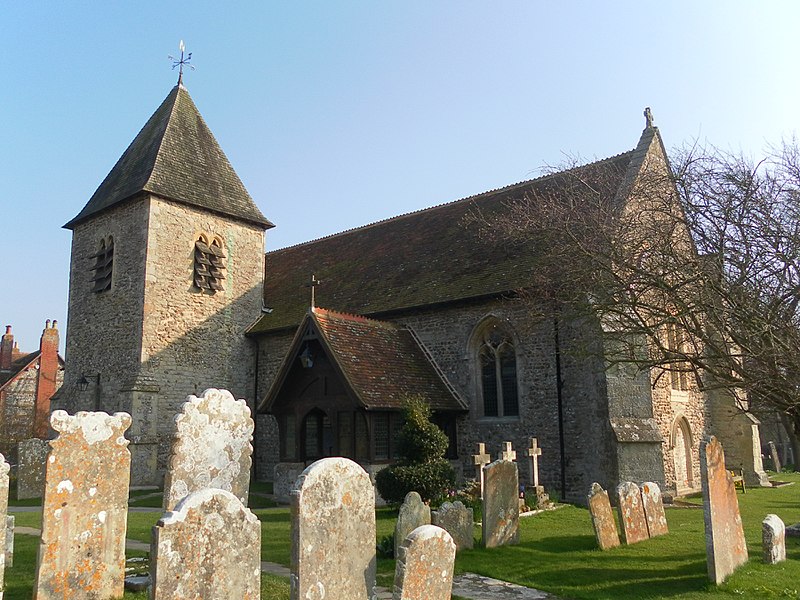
column 337, row 114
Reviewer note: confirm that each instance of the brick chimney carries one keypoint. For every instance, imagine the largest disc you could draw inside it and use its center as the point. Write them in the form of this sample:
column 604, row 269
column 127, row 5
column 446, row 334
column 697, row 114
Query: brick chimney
column 46, row 380
column 6, row 349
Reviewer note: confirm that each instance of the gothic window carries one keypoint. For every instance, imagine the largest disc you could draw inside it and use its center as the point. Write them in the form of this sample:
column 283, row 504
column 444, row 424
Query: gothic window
column 209, row 264
column 497, row 361
column 676, row 348
column 103, row 266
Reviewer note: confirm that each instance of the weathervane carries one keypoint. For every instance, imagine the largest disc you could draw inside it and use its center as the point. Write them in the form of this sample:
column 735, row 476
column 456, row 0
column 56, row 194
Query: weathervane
column 180, row 63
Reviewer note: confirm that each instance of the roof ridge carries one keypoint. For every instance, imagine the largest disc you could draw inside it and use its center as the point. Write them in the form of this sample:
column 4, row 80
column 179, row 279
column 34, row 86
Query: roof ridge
column 453, row 202
column 347, row 316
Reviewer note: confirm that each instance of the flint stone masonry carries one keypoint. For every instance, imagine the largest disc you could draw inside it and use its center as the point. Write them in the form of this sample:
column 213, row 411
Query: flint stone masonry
column 211, row 449
column 424, row 569
column 631, row 513
column 457, row 520
column 209, row 547
column 605, row 528
column 501, row 504
column 85, row 510
column 4, row 469
column 413, row 513
column 333, row 533
column 654, row 509
column 773, row 537
column 32, row 455
column 9, row 541
column 725, row 545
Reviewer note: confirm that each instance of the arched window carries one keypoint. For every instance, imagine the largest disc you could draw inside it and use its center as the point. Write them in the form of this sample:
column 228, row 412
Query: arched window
column 209, row 264
column 497, row 363
column 103, row 266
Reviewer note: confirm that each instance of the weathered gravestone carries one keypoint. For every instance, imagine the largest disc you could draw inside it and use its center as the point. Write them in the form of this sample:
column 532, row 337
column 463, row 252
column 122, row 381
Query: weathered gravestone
column 631, row 513
column 776, row 461
column 209, row 547
column 85, row 508
column 605, row 528
column 773, row 538
column 725, row 545
column 508, row 452
column 10, row 541
column 654, row 509
column 533, row 452
column 424, row 568
column 501, row 504
column 457, row 520
column 480, row 460
column 333, row 532
column 211, row 448
column 413, row 513
column 32, row 455
column 4, row 468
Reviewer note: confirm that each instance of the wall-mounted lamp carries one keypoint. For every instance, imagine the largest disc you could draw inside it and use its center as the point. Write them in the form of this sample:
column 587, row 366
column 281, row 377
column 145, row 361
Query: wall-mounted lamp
column 306, row 359
column 83, row 382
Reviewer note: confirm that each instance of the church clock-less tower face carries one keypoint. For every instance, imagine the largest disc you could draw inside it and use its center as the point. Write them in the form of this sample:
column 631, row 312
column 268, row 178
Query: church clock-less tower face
column 165, row 277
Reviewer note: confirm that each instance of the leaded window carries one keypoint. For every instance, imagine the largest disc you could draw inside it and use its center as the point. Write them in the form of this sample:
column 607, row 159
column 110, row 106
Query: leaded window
column 498, row 374
column 209, row 264
column 103, row 266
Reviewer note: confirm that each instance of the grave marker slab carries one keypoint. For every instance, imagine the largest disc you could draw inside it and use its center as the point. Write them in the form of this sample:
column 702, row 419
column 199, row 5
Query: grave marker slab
column 457, row 520
column 631, row 513
column 773, row 538
column 654, row 509
column 424, row 568
column 725, row 545
column 480, row 460
column 534, row 452
column 413, row 513
column 32, row 455
column 211, row 448
column 333, row 532
column 85, row 508
column 605, row 528
column 776, row 461
column 209, row 547
column 501, row 504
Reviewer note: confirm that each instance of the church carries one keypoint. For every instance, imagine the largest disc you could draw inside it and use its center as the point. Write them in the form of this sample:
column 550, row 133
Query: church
column 171, row 293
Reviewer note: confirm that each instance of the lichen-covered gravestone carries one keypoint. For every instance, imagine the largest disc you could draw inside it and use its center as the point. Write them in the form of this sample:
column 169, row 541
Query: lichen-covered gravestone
column 501, row 504
column 654, row 509
column 773, row 537
column 4, row 468
column 333, row 532
column 211, row 448
column 32, row 455
column 10, row 541
column 457, row 520
column 424, row 568
column 209, row 547
column 725, row 544
column 413, row 513
column 85, row 508
column 631, row 513
column 605, row 529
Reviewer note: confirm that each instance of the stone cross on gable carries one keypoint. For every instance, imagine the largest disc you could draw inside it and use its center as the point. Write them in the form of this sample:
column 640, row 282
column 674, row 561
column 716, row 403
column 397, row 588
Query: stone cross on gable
column 534, row 452
column 481, row 459
column 508, row 452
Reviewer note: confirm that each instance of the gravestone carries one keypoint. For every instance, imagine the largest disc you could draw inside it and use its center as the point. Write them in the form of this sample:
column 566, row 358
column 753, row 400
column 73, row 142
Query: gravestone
column 32, row 455
column 85, row 508
column 605, row 528
column 413, row 513
column 654, row 509
column 4, row 469
column 776, row 461
column 10, row 541
column 508, row 452
column 501, row 504
column 631, row 513
column 534, row 452
column 457, row 520
column 725, row 545
column 209, row 547
column 424, row 568
column 773, row 538
column 333, row 532
column 211, row 448
column 480, row 460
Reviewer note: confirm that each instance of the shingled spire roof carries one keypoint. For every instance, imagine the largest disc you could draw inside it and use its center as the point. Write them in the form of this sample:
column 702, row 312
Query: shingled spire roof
column 175, row 156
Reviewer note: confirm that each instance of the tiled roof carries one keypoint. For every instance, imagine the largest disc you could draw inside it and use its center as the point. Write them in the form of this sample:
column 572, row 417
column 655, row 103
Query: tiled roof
column 175, row 156
column 17, row 365
column 419, row 259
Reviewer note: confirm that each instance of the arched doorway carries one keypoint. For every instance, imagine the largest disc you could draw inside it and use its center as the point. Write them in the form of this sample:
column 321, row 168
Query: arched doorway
column 682, row 455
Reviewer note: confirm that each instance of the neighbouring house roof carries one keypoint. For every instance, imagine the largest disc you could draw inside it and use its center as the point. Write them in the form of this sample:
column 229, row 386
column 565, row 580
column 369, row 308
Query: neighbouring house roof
column 175, row 156
column 21, row 363
column 382, row 363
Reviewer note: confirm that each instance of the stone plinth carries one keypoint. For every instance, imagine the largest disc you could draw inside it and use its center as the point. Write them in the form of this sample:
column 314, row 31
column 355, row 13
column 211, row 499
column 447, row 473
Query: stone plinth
column 413, row 513
column 501, row 504
column 32, row 455
column 457, row 520
column 424, row 568
column 605, row 528
column 654, row 509
column 773, row 538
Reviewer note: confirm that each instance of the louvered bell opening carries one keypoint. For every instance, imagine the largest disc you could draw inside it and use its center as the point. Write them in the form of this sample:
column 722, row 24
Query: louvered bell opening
column 216, row 251
column 215, row 285
column 102, row 284
column 202, row 282
column 216, row 261
column 201, row 271
column 217, row 273
column 201, row 258
column 202, row 247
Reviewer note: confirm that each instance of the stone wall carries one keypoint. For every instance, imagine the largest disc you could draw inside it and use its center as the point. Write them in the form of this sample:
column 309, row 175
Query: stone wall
column 16, row 419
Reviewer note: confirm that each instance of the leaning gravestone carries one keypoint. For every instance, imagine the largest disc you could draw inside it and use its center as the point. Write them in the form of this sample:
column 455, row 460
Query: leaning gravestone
column 209, row 547
column 424, row 568
column 85, row 508
column 654, row 509
column 4, row 469
column 725, row 545
column 9, row 541
column 776, row 461
column 773, row 537
column 333, row 532
column 605, row 529
column 413, row 513
column 211, row 448
column 457, row 520
column 501, row 504
column 631, row 513
column 32, row 455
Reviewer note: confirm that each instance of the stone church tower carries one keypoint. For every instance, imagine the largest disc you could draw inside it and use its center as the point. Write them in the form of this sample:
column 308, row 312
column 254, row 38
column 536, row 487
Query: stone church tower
column 165, row 277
